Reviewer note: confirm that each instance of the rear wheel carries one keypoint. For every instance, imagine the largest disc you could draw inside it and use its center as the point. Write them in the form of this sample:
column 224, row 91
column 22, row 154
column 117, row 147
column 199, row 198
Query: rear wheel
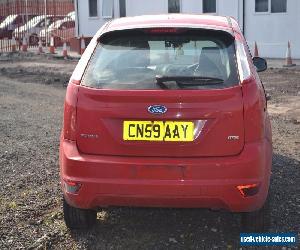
column 76, row 218
column 33, row 40
column 57, row 41
column 257, row 221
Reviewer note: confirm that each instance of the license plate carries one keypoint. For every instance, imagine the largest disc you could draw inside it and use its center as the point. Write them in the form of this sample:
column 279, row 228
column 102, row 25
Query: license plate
column 158, row 131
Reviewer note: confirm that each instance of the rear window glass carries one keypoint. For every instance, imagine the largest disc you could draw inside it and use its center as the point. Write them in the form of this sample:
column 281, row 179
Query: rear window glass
column 155, row 59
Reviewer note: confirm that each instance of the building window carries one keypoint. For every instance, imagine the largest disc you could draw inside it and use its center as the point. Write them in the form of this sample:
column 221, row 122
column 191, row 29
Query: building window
column 122, row 5
column 174, row 6
column 93, row 8
column 209, row 6
column 278, row 6
column 261, row 5
column 107, row 8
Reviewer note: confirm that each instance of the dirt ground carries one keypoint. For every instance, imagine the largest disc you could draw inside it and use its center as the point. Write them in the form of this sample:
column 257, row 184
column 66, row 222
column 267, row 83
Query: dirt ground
column 32, row 91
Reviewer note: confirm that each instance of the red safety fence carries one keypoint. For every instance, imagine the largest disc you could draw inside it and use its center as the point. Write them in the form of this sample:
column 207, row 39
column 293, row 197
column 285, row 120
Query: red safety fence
column 31, row 21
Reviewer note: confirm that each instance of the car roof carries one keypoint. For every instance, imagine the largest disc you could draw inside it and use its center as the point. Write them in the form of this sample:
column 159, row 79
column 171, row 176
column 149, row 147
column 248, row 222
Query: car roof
column 174, row 20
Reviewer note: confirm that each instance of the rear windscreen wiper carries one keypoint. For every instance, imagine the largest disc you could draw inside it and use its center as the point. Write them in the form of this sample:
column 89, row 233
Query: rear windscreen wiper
column 187, row 80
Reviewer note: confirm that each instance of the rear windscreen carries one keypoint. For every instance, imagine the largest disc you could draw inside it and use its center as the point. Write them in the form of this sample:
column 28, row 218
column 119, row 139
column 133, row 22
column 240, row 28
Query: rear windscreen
column 154, row 59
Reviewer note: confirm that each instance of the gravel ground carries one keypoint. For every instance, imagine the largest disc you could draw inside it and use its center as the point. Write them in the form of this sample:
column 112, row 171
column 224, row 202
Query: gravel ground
column 32, row 91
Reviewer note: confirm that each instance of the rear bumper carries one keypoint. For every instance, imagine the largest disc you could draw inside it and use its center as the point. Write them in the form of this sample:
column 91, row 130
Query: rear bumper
column 207, row 182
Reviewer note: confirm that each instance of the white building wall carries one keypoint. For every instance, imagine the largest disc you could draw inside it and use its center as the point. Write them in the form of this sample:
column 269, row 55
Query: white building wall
column 138, row 7
column 271, row 31
column 88, row 26
column 229, row 8
column 191, row 6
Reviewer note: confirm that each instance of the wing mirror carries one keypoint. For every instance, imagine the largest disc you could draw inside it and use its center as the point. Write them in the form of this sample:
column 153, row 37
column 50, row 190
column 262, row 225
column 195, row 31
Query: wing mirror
column 260, row 64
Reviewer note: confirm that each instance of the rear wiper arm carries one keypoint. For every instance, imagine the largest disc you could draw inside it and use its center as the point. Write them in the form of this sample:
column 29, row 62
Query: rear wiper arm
column 187, row 80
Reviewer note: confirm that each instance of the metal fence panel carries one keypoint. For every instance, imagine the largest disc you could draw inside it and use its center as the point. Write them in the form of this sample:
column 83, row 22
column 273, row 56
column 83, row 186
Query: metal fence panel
column 35, row 20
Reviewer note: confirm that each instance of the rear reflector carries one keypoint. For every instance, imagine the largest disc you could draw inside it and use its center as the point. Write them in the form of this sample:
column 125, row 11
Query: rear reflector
column 248, row 190
column 71, row 186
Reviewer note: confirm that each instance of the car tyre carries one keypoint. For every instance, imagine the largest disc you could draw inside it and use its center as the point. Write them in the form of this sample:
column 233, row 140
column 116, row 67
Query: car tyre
column 33, row 40
column 76, row 218
column 57, row 41
column 258, row 221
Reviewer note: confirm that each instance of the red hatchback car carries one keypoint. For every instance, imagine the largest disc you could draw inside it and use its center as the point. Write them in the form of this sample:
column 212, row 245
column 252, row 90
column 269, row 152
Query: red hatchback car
column 167, row 111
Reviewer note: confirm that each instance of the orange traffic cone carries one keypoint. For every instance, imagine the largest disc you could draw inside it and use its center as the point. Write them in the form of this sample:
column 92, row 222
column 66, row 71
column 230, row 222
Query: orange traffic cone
column 13, row 44
column 40, row 46
column 82, row 45
column 24, row 44
column 289, row 61
column 65, row 51
column 51, row 47
column 256, row 54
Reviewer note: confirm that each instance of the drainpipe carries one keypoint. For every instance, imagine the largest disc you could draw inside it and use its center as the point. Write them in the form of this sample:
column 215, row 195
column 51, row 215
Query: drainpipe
column 77, row 16
column 244, row 18
column 45, row 26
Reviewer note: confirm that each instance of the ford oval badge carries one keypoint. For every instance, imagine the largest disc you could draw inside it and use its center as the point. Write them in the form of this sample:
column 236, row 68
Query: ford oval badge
column 157, row 109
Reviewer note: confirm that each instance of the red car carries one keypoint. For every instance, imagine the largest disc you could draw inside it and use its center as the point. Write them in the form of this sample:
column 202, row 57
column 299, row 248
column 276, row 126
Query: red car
column 167, row 111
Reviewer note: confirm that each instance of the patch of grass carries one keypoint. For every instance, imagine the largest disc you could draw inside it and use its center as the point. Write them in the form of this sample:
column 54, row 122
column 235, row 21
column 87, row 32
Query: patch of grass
column 53, row 220
column 12, row 205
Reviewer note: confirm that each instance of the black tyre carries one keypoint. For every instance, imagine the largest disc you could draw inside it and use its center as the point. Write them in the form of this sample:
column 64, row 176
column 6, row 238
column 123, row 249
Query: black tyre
column 257, row 221
column 57, row 41
column 76, row 218
column 33, row 40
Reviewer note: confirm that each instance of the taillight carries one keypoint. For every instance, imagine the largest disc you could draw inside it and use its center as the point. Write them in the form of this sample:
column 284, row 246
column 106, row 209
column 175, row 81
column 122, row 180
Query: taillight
column 69, row 126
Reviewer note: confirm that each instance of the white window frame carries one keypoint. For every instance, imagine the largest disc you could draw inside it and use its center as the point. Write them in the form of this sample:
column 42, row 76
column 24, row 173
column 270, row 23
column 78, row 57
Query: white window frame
column 112, row 9
column 210, row 13
column 269, row 10
column 93, row 17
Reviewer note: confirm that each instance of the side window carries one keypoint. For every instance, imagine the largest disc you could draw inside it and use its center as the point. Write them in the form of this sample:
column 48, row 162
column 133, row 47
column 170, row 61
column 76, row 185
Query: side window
column 71, row 24
column 107, row 8
column 93, row 8
column 66, row 25
column 174, row 6
column 209, row 6
column 242, row 61
column 19, row 20
column 41, row 24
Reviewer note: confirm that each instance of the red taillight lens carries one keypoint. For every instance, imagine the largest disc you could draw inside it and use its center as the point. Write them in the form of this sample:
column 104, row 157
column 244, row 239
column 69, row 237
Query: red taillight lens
column 70, row 112
column 248, row 190
column 71, row 186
